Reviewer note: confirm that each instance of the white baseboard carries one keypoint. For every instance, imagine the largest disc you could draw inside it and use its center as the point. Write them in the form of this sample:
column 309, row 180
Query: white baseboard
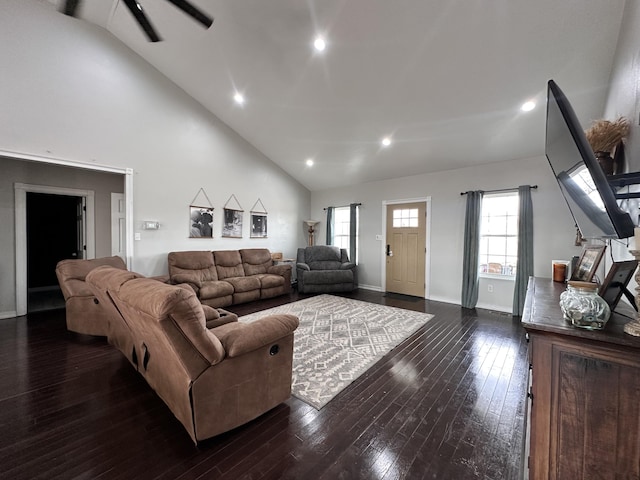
column 484, row 306
column 8, row 314
column 454, row 301
column 495, row 308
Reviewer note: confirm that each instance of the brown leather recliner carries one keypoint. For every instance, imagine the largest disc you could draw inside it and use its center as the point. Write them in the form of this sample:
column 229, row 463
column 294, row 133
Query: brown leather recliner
column 83, row 312
column 213, row 380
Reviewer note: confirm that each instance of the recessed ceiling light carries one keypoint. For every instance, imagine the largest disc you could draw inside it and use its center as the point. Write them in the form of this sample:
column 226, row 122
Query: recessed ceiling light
column 239, row 98
column 528, row 106
column 309, row 162
column 319, row 44
column 386, row 141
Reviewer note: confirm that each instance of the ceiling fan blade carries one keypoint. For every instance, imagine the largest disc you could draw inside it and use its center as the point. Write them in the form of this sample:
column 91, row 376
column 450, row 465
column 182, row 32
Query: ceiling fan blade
column 70, row 7
column 197, row 14
column 141, row 18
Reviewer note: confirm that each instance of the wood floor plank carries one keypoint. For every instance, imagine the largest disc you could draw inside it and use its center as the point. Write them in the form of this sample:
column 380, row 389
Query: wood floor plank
column 446, row 403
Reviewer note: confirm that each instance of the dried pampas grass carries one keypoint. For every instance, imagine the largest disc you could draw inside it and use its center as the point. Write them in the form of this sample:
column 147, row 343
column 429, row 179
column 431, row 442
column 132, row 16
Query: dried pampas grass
column 604, row 135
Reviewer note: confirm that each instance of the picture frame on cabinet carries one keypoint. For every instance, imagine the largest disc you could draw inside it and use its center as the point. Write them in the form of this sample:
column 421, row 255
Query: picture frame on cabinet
column 615, row 284
column 588, row 263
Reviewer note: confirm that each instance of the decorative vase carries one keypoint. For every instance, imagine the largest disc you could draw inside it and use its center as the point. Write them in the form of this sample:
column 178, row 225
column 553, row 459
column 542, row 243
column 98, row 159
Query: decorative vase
column 606, row 162
column 583, row 307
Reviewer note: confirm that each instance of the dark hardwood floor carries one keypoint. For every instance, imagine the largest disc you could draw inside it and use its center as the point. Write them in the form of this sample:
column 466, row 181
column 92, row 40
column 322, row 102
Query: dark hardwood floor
column 448, row 403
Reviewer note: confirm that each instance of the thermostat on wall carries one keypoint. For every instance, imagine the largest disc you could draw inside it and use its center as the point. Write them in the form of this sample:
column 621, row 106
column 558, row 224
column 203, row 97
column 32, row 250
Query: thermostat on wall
column 150, row 225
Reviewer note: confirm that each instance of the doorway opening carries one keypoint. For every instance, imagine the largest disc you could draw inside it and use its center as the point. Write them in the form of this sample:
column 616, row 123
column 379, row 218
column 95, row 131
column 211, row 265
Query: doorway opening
column 55, row 231
column 22, row 191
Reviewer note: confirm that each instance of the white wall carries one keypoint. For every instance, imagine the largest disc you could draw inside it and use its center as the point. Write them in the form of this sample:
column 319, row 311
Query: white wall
column 624, row 100
column 554, row 231
column 70, row 90
column 624, row 94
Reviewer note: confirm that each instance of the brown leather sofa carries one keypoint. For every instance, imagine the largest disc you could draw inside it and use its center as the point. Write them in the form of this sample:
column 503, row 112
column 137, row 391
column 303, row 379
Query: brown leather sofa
column 227, row 277
column 83, row 313
column 212, row 379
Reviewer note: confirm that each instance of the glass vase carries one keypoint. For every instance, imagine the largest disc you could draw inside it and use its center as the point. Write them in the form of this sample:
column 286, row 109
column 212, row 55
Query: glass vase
column 583, row 307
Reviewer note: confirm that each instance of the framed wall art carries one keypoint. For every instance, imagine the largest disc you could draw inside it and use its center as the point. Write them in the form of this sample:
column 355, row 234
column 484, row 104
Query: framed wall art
column 200, row 222
column 258, row 220
column 201, row 216
column 232, row 221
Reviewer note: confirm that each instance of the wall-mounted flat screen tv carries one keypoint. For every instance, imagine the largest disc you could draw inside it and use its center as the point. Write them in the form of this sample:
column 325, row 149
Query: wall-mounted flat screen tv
column 585, row 187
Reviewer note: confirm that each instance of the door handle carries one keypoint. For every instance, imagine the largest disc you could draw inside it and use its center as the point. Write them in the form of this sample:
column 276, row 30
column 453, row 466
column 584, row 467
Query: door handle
column 389, row 252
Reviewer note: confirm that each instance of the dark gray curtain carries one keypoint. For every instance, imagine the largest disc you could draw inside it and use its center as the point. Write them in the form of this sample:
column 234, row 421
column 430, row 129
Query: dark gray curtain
column 329, row 226
column 525, row 249
column 471, row 250
column 353, row 231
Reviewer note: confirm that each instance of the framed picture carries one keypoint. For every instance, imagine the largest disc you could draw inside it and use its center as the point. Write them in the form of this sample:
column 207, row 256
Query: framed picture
column 588, row 263
column 200, row 222
column 258, row 225
column 615, row 285
column 232, row 226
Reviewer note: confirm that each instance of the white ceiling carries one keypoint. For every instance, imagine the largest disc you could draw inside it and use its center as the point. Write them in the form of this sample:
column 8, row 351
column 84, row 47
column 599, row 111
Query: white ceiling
column 444, row 79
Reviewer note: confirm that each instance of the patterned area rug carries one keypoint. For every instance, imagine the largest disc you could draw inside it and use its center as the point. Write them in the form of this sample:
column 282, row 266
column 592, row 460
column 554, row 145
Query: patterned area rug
column 338, row 340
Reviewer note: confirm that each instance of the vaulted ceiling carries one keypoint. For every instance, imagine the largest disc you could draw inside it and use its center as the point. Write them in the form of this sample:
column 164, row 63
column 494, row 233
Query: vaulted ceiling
column 444, row 81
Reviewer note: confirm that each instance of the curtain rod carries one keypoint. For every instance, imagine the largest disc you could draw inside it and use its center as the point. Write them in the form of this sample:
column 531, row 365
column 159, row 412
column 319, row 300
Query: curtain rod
column 341, row 206
column 499, row 191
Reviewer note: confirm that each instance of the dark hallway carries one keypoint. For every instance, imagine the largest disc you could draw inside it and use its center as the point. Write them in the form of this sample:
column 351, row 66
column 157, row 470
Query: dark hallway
column 54, row 232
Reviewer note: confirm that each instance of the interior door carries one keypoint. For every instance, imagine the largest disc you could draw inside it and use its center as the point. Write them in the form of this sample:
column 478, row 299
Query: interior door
column 406, row 248
column 118, row 225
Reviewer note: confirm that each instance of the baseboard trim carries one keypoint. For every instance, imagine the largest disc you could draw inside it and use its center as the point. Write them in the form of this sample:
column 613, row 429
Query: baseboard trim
column 4, row 315
column 453, row 301
column 496, row 308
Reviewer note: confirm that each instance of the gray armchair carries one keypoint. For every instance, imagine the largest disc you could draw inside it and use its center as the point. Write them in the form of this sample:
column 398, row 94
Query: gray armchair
column 324, row 269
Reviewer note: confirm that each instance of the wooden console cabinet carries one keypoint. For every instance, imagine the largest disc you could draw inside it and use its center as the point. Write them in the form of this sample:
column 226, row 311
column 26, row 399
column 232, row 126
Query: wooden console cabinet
column 584, row 393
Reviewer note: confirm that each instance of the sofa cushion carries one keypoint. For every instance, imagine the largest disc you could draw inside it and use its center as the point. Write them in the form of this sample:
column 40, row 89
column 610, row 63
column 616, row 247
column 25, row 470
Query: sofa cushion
column 270, row 281
column 244, row 284
column 228, row 264
column 255, row 260
column 192, row 267
column 215, row 289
